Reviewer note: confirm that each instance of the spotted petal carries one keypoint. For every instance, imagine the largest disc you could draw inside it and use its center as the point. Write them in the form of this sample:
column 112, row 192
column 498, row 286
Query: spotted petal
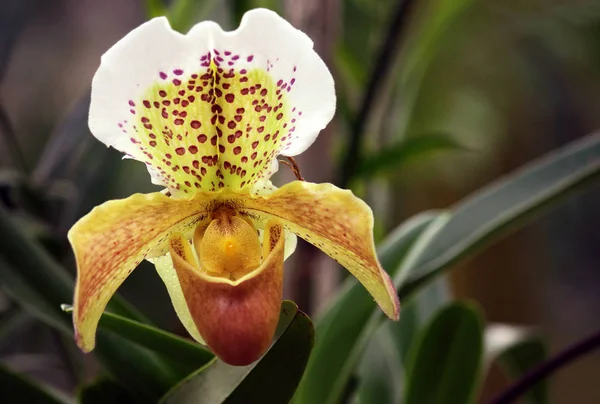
column 335, row 221
column 211, row 109
column 113, row 239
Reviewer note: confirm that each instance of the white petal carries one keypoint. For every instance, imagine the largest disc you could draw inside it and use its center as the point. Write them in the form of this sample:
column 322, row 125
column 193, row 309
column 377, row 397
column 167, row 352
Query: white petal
column 149, row 100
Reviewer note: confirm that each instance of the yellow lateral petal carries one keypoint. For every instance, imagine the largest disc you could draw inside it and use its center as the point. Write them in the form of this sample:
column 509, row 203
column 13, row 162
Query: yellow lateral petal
column 338, row 223
column 111, row 240
column 167, row 273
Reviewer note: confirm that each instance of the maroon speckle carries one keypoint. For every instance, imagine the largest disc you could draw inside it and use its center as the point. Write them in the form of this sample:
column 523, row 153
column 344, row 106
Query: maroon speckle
column 178, row 72
column 193, row 149
column 180, row 151
column 195, row 124
column 163, row 75
column 229, row 98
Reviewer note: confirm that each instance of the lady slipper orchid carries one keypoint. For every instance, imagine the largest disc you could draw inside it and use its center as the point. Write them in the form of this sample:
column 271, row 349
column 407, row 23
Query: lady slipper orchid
column 208, row 113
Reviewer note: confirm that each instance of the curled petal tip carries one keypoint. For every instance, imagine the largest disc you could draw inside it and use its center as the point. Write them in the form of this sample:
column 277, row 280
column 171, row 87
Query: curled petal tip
column 85, row 346
column 394, row 314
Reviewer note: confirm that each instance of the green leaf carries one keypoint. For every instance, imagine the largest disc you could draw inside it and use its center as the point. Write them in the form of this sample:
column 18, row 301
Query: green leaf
column 155, row 8
column 25, row 390
column 349, row 322
column 444, row 366
column 40, row 285
column 506, row 205
column 381, row 369
column 145, row 375
column 352, row 317
column 393, row 156
column 37, row 281
column 413, row 64
column 185, row 13
column 517, row 350
column 163, row 342
column 103, row 391
column 31, row 276
column 272, row 379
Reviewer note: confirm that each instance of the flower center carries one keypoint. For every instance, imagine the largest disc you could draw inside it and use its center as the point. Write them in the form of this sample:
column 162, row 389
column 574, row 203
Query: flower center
column 228, row 247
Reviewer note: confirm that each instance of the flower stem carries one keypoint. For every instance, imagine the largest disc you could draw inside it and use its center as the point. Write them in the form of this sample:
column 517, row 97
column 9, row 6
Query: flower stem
column 383, row 64
column 565, row 357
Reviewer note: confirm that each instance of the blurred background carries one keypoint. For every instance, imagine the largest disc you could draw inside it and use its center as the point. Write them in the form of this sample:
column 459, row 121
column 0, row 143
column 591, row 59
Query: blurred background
column 470, row 89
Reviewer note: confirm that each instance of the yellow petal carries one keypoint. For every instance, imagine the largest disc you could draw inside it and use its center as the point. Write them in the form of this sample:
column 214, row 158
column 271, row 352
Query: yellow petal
column 237, row 319
column 164, row 267
column 338, row 223
column 113, row 239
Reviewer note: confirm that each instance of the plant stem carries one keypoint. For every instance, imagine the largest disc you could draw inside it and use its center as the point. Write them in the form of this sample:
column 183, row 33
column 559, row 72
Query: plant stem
column 565, row 357
column 384, row 61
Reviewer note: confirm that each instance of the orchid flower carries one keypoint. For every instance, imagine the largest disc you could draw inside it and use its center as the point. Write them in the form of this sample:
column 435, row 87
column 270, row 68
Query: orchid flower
column 208, row 113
